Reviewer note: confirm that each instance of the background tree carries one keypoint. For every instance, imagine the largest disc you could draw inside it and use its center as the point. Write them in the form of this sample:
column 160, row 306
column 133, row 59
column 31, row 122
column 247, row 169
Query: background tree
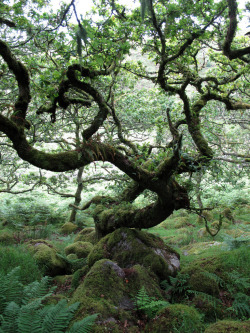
column 181, row 38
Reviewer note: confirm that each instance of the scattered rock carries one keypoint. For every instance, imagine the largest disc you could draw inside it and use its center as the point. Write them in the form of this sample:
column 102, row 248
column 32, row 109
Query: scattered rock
column 129, row 247
column 81, row 249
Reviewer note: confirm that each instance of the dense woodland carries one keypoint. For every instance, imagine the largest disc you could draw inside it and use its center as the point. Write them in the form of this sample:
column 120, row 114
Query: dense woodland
column 124, row 164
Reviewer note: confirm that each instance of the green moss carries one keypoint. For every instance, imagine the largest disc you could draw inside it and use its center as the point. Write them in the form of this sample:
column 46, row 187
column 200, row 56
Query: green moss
column 199, row 281
column 72, row 256
column 81, row 249
column 128, row 247
column 210, row 310
column 181, row 222
column 176, row 318
column 46, row 257
column 86, row 235
column 68, row 228
column 78, row 276
column 137, row 277
column 103, row 290
column 229, row 326
column 105, row 280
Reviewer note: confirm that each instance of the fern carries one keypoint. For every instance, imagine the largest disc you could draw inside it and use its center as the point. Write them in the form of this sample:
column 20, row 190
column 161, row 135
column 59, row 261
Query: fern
column 83, row 326
column 24, row 312
column 178, row 285
column 206, row 297
column 149, row 305
column 240, row 306
column 237, row 282
column 215, row 277
column 59, row 317
column 235, row 242
column 11, row 288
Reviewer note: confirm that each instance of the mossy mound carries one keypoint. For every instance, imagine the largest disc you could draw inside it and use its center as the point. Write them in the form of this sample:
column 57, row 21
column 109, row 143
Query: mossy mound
column 87, row 235
column 81, row 249
column 182, row 222
column 109, row 290
column 197, row 248
column 137, row 277
column 6, row 237
column 129, row 247
column 105, row 280
column 47, row 258
column 103, row 291
column 229, row 326
column 68, row 228
column 176, row 318
column 211, row 309
column 201, row 281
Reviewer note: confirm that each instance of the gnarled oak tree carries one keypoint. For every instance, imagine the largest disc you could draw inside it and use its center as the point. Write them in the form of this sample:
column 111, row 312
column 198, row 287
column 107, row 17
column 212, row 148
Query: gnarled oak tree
column 49, row 65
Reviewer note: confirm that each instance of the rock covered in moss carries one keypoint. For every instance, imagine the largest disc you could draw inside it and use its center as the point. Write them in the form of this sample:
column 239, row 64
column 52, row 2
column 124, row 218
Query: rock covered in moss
column 102, row 290
column 229, row 326
column 203, row 282
column 176, row 318
column 86, row 235
column 129, row 247
column 110, row 290
column 72, row 256
column 104, row 280
column 68, row 228
column 81, row 249
column 46, row 256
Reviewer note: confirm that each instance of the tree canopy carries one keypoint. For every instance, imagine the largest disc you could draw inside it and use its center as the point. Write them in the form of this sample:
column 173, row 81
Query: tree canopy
column 148, row 90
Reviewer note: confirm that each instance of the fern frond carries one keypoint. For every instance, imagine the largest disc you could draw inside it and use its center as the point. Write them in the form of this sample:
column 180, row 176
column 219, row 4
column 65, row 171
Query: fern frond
column 205, row 297
column 240, row 305
column 83, row 326
column 9, row 318
column 37, row 289
column 11, row 288
column 149, row 305
column 214, row 277
column 59, row 316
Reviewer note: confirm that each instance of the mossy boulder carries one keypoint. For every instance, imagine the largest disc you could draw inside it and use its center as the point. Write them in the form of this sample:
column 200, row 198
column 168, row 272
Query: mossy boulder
column 211, row 309
column 203, row 282
column 105, row 280
column 176, row 318
column 229, row 326
column 87, row 235
column 109, row 290
column 103, row 291
column 72, row 256
column 182, row 222
column 137, row 277
column 81, row 249
column 47, row 258
column 68, row 228
column 129, row 247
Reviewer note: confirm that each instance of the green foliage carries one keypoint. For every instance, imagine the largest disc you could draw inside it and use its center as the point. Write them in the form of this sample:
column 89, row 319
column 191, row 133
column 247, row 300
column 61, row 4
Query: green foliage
column 13, row 256
column 30, row 210
column 232, row 243
column 240, row 307
column 148, row 305
column 22, row 308
column 177, row 286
